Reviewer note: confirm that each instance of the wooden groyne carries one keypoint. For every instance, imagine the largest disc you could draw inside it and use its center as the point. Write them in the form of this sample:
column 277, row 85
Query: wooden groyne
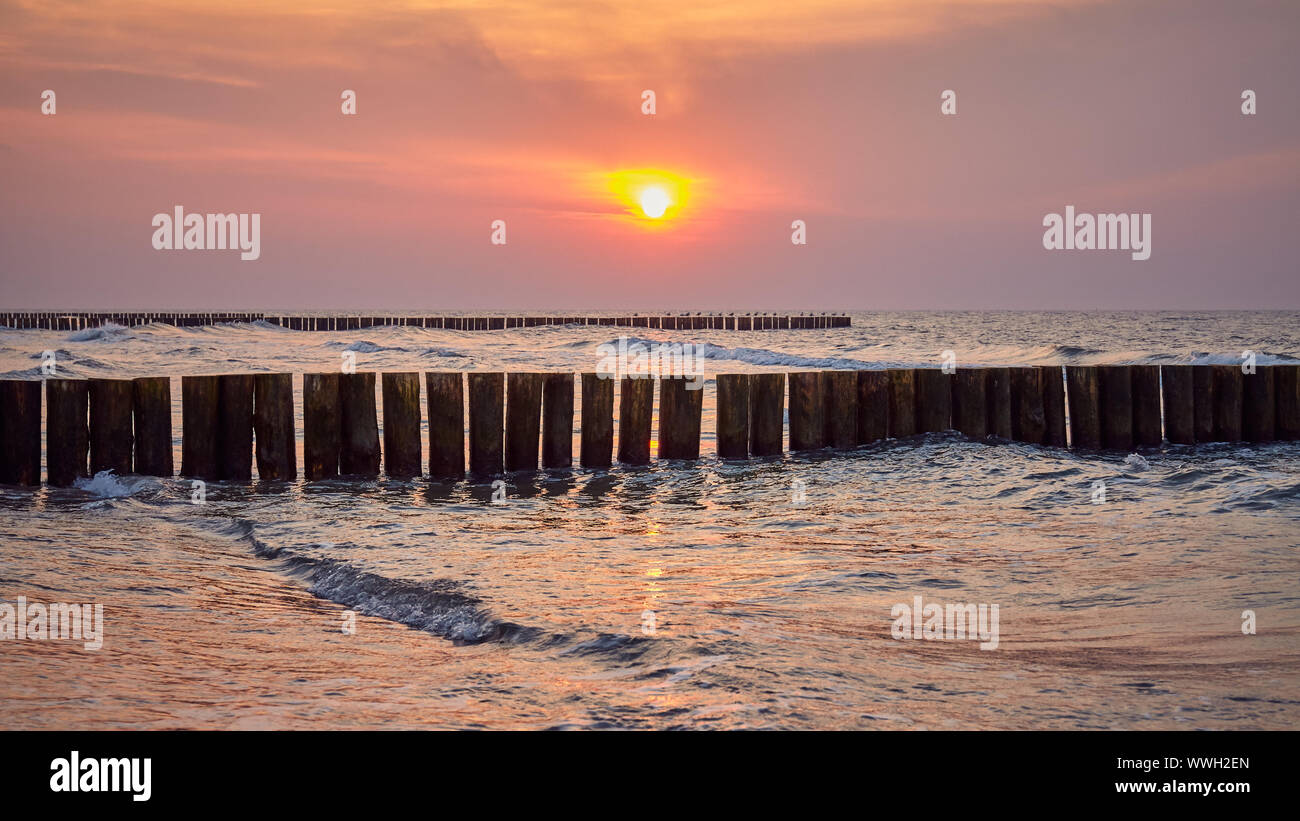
column 733, row 321
column 230, row 421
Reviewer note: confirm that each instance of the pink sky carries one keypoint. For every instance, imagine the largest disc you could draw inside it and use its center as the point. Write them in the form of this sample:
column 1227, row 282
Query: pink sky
column 823, row 111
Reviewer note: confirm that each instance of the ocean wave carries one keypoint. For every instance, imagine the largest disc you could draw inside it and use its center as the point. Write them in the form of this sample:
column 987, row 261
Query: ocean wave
column 363, row 346
column 438, row 607
column 108, row 332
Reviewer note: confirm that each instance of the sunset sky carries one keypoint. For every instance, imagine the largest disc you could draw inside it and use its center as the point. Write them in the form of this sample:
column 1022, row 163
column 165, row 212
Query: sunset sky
column 767, row 112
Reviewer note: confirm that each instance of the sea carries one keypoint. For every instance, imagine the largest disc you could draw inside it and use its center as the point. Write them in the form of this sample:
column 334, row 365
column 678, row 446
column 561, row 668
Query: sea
column 764, row 594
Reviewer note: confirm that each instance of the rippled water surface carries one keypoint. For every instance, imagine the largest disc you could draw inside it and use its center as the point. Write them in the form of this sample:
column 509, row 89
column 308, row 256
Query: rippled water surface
column 678, row 595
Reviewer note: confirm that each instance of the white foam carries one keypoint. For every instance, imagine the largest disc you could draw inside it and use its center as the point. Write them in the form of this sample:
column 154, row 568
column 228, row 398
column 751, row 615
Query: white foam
column 108, row 485
column 1136, row 461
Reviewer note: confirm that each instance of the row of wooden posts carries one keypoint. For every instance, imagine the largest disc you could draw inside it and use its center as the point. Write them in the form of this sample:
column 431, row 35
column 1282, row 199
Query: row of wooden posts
column 125, row 425
column 730, row 322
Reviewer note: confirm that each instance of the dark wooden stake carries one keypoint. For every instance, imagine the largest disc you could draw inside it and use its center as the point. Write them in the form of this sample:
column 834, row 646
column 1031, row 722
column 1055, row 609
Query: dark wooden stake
column 1180, row 414
column 235, row 427
column 597, row 445
column 1228, row 390
column 403, row 454
column 1053, row 405
column 1203, row 402
column 681, row 402
column 152, row 411
column 999, row 402
column 359, row 443
column 1085, row 407
column 557, row 421
column 902, row 403
column 1287, row 413
column 322, row 425
column 635, row 409
column 67, row 434
column 766, row 414
column 1259, row 405
column 1115, row 394
column 523, row 420
column 873, row 406
column 111, row 436
column 1146, row 406
column 445, row 401
column 933, row 400
column 807, row 410
column 1028, row 421
column 970, row 402
column 20, row 432
column 486, row 424
column 277, row 457
column 840, row 404
column 733, row 415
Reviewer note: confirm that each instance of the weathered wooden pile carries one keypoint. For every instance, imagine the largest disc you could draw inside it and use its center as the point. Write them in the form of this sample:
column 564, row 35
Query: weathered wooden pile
column 230, row 421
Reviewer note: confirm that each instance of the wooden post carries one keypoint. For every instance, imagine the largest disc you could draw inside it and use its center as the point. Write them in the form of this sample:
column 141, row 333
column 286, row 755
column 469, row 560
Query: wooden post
column 766, row 414
column 152, row 410
column 999, row 402
column 359, row 437
column 970, row 402
column 523, row 420
column 403, row 455
column 321, row 425
column 199, row 419
column 902, row 403
column 807, row 410
column 681, row 401
column 840, row 404
column 1146, row 405
column 1028, row 419
column 557, row 421
column 733, row 415
column 873, row 406
column 1287, row 412
column 1259, row 405
column 1053, row 405
column 444, row 396
column 636, row 406
column 933, row 400
column 235, row 427
column 1115, row 395
column 1085, row 409
column 597, row 447
column 277, row 458
column 1228, row 390
column 1203, row 402
column 67, row 435
column 1176, row 389
column 111, row 437
column 486, row 424
column 20, row 432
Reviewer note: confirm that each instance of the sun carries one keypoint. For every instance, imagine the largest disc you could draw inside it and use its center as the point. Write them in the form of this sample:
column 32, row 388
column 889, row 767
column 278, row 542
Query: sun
column 654, row 197
column 654, row 202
